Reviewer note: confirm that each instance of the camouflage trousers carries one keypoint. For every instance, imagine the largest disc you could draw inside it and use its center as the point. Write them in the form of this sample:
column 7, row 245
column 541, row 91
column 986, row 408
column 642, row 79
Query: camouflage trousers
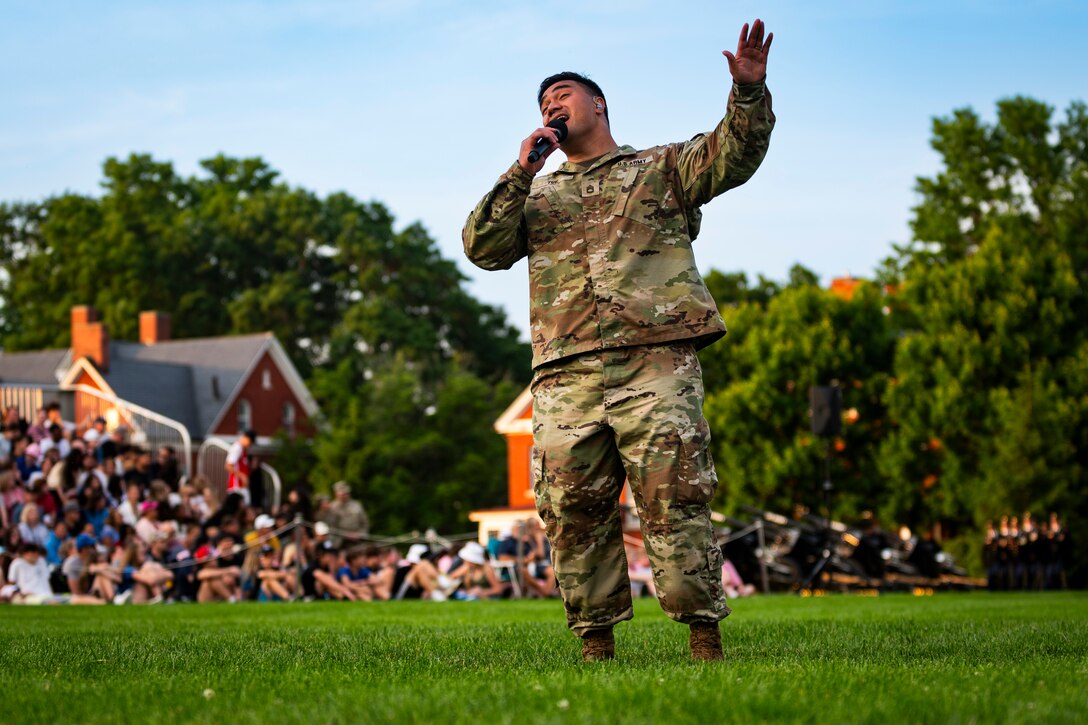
column 634, row 413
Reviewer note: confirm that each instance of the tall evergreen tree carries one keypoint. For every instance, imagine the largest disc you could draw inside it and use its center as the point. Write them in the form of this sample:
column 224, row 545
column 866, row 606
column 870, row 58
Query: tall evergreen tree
column 989, row 402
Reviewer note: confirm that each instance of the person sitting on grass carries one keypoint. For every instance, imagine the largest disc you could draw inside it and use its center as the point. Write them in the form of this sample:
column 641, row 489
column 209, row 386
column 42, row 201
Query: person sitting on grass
column 72, row 516
column 84, row 573
column 48, row 501
column 418, row 578
column 537, row 571
column 29, row 575
column 148, row 524
column 219, row 579
column 382, row 572
column 276, row 584
column 154, row 573
column 263, row 526
column 732, row 583
column 355, row 575
column 478, row 579
column 57, row 536
column 137, row 576
column 12, row 496
column 319, row 579
column 130, row 506
column 312, row 545
column 95, row 505
column 31, row 528
column 534, row 551
column 251, row 563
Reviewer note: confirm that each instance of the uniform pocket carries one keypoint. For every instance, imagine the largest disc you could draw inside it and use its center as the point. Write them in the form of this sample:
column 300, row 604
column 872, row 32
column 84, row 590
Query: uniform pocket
column 646, row 196
column 623, row 193
column 546, row 217
column 540, row 490
column 697, row 479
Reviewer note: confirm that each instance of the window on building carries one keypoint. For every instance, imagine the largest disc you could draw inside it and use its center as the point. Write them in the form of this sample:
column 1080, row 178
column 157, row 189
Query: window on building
column 289, row 418
column 266, row 379
column 245, row 415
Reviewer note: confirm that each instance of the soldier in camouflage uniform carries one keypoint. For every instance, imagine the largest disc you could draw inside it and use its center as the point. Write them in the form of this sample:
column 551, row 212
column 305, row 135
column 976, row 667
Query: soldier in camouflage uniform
column 618, row 310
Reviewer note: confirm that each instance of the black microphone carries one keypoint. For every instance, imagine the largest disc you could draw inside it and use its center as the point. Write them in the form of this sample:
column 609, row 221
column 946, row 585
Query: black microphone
column 543, row 144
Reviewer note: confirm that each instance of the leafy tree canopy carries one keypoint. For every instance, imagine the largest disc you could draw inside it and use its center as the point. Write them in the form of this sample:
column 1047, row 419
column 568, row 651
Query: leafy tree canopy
column 409, row 369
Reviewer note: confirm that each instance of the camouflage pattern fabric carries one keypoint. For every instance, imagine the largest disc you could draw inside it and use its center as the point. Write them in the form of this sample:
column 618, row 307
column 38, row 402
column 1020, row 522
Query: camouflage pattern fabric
column 610, row 242
column 634, row 413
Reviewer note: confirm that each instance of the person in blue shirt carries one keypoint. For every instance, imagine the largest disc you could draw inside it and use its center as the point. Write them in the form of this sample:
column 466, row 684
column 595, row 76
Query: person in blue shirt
column 57, row 536
column 354, row 575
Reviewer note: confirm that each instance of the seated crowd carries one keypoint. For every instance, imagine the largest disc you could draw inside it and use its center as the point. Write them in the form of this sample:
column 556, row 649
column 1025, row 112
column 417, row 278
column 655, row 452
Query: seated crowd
column 88, row 518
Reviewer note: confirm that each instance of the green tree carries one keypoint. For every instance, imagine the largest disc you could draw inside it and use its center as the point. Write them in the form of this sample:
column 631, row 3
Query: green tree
column 757, row 397
column 989, row 401
column 393, row 346
column 235, row 251
column 417, row 453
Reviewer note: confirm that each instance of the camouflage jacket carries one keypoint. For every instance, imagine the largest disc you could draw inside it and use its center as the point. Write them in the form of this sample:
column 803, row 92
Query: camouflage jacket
column 609, row 243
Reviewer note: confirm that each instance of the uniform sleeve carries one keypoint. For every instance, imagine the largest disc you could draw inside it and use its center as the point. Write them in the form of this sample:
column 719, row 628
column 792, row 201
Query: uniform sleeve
column 495, row 235
column 711, row 164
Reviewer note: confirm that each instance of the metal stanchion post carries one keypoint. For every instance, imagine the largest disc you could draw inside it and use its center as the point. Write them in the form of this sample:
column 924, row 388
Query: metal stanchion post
column 519, row 537
column 762, row 556
column 300, row 557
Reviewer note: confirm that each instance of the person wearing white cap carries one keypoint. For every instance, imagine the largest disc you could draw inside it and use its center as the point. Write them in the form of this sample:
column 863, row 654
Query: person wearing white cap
column 418, row 577
column 262, row 533
column 478, row 580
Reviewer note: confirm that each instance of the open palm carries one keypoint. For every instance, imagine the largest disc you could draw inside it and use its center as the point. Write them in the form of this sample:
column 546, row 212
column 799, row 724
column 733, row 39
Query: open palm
column 749, row 64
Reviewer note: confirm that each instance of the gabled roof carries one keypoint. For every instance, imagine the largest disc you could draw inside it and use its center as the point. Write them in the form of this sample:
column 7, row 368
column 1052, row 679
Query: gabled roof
column 166, row 388
column 202, row 372
column 39, row 367
column 513, row 420
column 193, row 381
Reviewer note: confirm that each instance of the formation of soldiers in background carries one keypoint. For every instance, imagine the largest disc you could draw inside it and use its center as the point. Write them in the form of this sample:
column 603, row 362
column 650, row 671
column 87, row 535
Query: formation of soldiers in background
column 1022, row 555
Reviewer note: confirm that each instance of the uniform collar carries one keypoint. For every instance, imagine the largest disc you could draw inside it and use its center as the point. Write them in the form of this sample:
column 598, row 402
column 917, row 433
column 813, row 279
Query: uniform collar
column 568, row 168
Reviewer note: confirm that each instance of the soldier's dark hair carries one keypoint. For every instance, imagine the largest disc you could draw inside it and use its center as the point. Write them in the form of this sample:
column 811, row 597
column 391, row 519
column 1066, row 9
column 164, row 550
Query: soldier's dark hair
column 586, row 83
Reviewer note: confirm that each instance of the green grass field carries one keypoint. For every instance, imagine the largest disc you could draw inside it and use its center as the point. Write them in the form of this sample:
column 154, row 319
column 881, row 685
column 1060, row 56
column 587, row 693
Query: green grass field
column 945, row 658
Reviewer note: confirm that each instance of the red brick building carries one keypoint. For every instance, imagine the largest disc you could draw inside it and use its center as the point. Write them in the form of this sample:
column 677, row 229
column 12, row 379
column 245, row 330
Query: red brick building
column 209, row 387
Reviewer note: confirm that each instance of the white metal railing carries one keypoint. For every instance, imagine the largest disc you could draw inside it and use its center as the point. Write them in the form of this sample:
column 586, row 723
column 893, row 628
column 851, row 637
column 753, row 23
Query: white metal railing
column 27, row 399
column 211, row 463
column 147, row 428
column 272, row 476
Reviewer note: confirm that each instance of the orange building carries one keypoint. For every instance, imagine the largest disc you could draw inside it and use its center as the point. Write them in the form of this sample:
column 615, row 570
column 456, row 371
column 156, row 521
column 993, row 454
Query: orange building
column 516, row 424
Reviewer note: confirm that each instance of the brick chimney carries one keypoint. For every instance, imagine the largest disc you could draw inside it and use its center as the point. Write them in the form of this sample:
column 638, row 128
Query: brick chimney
column 154, row 327
column 90, row 338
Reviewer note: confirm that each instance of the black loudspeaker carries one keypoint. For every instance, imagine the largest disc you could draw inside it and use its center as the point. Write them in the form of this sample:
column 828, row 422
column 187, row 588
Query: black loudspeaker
column 826, row 410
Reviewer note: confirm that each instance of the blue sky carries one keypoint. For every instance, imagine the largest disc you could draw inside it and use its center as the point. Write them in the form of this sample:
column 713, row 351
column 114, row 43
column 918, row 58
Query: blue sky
column 422, row 104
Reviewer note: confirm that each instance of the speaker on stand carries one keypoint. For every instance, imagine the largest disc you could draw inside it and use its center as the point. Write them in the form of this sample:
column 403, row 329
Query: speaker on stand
column 825, row 413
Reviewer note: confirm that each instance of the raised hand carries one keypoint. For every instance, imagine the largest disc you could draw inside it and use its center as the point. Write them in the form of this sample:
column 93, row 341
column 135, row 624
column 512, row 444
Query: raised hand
column 750, row 63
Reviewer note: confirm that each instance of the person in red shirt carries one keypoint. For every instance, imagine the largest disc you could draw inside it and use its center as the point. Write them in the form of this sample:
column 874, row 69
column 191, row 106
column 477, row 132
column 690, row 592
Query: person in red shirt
column 238, row 465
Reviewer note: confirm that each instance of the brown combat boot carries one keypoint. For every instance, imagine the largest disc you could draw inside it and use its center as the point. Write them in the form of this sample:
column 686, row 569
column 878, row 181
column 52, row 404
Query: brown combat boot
column 706, row 642
column 598, row 645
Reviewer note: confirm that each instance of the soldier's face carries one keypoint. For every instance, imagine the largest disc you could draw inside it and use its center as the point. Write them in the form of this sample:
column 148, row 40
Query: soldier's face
column 572, row 102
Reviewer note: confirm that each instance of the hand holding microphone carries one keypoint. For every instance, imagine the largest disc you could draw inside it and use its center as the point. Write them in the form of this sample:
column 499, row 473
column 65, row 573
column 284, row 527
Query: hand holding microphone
column 540, row 144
